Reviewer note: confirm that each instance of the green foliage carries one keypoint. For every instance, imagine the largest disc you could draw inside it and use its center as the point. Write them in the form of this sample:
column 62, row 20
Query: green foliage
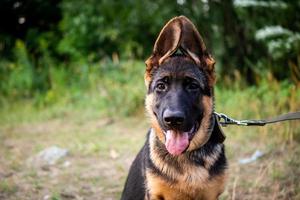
column 271, row 41
column 101, row 28
column 20, row 78
column 122, row 86
column 25, row 76
column 83, row 44
column 271, row 98
column 55, row 196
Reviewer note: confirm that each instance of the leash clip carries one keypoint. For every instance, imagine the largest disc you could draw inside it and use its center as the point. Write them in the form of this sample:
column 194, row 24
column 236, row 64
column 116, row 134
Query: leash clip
column 227, row 120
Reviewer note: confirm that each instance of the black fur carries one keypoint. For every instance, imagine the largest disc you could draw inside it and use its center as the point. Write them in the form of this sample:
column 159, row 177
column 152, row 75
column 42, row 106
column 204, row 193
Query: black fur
column 135, row 183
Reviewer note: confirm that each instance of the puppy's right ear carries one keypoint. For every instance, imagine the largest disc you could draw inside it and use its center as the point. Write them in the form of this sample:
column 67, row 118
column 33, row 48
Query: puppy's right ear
column 166, row 44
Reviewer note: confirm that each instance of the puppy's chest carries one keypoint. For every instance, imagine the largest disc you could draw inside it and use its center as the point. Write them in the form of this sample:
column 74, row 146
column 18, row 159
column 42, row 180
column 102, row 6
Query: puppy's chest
column 189, row 185
column 188, row 176
column 187, row 181
column 193, row 184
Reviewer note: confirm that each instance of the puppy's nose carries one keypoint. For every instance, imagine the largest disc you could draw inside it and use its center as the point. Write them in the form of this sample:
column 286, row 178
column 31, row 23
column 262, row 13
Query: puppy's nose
column 173, row 118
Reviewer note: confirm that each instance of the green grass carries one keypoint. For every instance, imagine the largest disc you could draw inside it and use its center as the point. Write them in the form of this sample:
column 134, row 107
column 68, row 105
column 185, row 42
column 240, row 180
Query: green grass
column 7, row 186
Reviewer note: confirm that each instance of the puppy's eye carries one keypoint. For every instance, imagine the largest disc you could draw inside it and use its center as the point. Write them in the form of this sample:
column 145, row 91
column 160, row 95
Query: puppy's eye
column 193, row 86
column 161, row 87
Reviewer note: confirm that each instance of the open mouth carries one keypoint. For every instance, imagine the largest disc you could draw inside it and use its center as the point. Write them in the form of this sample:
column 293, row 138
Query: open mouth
column 178, row 141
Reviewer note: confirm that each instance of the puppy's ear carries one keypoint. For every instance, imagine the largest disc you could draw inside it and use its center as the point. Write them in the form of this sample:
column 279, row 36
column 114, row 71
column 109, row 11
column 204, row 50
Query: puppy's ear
column 192, row 42
column 181, row 33
column 166, row 44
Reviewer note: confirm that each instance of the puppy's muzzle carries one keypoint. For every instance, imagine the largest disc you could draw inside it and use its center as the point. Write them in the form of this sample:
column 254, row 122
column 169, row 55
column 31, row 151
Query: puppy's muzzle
column 173, row 118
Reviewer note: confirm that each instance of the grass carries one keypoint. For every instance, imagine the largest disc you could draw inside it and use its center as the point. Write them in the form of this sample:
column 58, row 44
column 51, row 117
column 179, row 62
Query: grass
column 104, row 127
column 7, row 186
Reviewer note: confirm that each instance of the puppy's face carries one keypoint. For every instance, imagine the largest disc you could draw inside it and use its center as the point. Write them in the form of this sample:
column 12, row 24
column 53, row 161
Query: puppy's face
column 180, row 88
column 176, row 92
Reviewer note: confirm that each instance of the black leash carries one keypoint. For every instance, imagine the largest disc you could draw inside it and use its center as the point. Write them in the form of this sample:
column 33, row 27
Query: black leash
column 224, row 120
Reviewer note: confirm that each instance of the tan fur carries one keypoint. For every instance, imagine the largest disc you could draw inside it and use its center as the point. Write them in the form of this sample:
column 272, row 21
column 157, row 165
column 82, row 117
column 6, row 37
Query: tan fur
column 211, row 70
column 154, row 123
column 205, row 189
column 160, row 189
column 202, row 135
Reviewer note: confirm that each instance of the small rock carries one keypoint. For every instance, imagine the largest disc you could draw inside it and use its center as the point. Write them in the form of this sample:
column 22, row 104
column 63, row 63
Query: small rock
column 47, row 157
column 6, row 174
column 69, row 192
column 105, row 122
column 68, row 195
column 256, row 155
column 45, row 167
column 67, row 164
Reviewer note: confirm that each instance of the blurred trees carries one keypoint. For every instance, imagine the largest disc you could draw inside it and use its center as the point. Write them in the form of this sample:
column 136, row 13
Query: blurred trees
column 248, row 37
column 28, row 21
column 29, row 34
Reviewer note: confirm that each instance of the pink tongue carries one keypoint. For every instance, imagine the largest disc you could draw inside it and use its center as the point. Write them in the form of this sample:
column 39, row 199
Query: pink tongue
column 176, row 142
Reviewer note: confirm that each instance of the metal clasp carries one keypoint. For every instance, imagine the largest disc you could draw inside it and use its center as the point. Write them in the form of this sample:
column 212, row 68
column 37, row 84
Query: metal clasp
column 227, row 120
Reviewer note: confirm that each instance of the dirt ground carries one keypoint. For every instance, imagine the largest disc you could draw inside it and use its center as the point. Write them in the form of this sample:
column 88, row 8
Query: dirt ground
column 102, row 149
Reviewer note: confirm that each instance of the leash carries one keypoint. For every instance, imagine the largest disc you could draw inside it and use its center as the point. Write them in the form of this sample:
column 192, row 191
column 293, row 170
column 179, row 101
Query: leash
column 224, row 120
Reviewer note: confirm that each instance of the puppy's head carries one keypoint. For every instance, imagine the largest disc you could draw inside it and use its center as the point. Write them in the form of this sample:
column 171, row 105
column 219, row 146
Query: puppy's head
column 180, row 78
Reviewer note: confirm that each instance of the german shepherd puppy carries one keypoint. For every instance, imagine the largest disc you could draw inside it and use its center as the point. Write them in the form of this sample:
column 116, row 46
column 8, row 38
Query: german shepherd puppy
column 183, row 157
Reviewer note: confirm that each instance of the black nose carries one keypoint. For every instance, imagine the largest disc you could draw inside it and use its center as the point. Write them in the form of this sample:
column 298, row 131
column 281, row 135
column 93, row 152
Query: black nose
column 173, row 118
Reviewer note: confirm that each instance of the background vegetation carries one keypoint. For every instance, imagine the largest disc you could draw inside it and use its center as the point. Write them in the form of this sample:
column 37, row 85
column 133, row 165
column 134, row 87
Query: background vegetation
column 71, row 74
column 45, row 45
